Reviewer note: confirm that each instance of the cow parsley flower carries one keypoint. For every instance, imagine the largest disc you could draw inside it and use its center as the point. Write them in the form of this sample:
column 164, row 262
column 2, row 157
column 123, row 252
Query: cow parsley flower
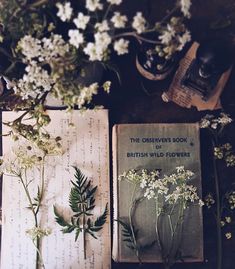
column 35, row 82
column 37, row 233
column 76, row 38
column 53, row 48
column 86, row 94
column 114, row 2
column 65, row 11
column 185, row 7
column 81, row 21
column 102, row 26
column 139, row 23
column 121, row 46
column 30, row 47
column 118, row 20
column 183, row 40
column 93, row 5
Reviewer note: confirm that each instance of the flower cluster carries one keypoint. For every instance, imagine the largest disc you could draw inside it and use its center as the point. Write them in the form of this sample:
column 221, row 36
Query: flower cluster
column 209, row 200
column 212, row 122
column 37, row 233
column 25, row 155
column 173, row 37
column 172, row 188
column 226, row 153
column 231, row 199
column 140, row 177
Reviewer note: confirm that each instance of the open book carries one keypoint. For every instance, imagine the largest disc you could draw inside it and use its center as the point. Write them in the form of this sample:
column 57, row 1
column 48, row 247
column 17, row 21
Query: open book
column 154, row 146
column 85, row 143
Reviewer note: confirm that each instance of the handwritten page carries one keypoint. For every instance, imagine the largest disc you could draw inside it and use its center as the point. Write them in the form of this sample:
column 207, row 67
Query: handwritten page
column 86, row 145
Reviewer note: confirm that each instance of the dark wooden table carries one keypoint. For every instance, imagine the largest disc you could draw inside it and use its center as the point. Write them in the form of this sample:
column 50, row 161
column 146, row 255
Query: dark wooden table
column 129, row 103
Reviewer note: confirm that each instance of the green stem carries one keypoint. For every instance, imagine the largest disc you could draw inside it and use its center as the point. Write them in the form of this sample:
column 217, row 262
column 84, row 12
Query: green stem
column 83, row 232
column 107, row 11
column 218, row 212
column 42, row 184
column 29, row 200
column 130, row 214
column 138, row 37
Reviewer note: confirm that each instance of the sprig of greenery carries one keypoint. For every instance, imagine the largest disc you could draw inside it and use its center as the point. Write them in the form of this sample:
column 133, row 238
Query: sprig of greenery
column 82, row 202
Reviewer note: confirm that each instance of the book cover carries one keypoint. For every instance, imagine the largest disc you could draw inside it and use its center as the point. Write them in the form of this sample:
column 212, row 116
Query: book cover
column 85, row 144
column 155, row 146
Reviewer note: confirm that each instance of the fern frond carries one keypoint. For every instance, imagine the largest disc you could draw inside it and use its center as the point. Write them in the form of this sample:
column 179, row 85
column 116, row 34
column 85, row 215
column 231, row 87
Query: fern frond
column 59, row 219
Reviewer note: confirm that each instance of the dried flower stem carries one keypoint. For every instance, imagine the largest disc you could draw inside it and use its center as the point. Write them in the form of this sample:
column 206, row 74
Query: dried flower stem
column 218, row 209
column 35, row 210
column 130, row 215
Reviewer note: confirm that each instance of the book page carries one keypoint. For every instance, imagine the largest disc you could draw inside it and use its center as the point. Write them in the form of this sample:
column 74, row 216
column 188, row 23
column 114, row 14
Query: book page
column 85, row 144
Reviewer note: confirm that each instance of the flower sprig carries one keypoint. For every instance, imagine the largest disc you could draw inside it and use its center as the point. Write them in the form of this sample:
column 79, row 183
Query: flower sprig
column 82, row 202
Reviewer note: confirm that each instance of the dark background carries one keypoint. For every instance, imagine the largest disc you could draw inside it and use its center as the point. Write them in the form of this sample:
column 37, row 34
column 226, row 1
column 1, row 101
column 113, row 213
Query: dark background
column 136, row 100
column 139, row 101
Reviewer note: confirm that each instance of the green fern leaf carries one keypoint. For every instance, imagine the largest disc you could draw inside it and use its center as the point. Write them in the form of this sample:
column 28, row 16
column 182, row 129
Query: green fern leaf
column 59, row 219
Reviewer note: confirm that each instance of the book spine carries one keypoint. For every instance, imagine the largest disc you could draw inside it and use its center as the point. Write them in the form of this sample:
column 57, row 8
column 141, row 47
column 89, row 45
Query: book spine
column 115, row 249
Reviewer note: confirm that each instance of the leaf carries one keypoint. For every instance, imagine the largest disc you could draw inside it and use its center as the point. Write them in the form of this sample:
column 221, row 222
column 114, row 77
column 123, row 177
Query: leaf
column 59, row 219
column 68, row 229
column 78, row 230
column 100, row 221
column 127, row 234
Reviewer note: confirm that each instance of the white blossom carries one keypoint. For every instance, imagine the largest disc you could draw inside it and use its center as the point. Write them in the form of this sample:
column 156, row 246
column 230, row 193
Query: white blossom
column 114, row 2
column 185, row 38
column 35, row 82
column 93, row 5
column 53, row 48
column 102, row 40
column 139, row 23
column 86, row 94
column 185, row 7
column 30, row 47
column 95, row 53
column 167, row 35
column 81, row 21
column 121, row 46
column 106, row 86
column 37, row 233
column 65, row 11
column 102, row 26
column 76, row 38
column 118, row 20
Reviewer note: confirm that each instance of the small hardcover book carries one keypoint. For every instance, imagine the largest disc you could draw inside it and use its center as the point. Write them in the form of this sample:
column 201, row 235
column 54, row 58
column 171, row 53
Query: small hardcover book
column 161, row 147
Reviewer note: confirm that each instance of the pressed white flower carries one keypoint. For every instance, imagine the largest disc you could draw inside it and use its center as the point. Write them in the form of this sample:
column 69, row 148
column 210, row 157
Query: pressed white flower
column 35, row 82
column 121, row 46
column 224, row 119
column 107, row 86
column 228, row 235
column 93, row 5
column 139, row 23
column 167, row 35
column 65, row 11
column 30, row 47
column 183, row 40
column 185, row 7
column 102, row 26
column 37, row 233
column 86, row 94
column 118, row 20
column 53, row 48
column 102, row 39
column 114, row 2
column 81, row 21
column 94, row 53
column 76, row 38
